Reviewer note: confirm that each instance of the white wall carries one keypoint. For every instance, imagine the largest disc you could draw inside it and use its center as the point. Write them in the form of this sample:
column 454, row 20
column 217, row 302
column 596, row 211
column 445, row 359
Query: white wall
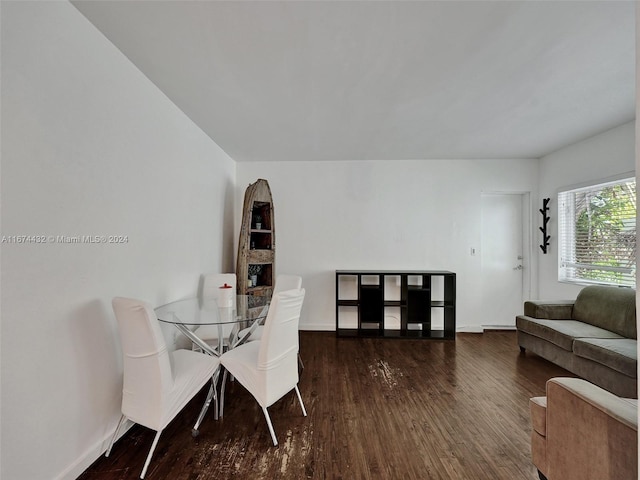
column 89, row 147
column 597, row 158
column 382, row 215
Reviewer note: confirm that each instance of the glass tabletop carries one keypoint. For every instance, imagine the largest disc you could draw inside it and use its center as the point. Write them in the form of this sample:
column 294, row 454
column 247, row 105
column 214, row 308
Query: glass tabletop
column 197, row 312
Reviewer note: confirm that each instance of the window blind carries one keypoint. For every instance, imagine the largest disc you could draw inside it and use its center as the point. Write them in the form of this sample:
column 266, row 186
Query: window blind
column 597, row 234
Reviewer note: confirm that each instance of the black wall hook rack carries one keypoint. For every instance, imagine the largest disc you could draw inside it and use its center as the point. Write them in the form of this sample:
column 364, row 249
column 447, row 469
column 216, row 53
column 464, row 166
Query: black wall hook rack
column 545, row 219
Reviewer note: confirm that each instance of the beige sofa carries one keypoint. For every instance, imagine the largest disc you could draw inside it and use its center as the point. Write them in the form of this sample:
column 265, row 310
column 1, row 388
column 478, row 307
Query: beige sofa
column 593, row 336
column 582, row 432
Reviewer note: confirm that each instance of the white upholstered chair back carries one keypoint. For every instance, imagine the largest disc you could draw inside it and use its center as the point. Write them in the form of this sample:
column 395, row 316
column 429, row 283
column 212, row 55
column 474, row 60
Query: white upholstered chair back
column 277, row 356
column 212, row 282
column 284, row 282
column 148, row 376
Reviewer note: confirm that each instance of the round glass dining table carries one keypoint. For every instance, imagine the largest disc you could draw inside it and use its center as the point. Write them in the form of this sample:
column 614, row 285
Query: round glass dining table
column 190, row 313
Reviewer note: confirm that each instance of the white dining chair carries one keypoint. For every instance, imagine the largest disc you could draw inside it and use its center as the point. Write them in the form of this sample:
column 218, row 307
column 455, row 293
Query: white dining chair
column 284, row 282
column 268, row 368
column 157, row 384
column 211, row 287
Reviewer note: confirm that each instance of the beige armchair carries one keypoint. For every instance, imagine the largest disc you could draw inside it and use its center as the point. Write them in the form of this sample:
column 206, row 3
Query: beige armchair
column 582, row 432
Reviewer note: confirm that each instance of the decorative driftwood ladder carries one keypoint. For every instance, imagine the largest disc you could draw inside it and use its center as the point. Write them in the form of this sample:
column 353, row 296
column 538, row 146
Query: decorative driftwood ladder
column 255, row 267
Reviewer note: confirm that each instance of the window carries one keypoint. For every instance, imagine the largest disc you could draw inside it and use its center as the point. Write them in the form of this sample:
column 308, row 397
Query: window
column 597, row 234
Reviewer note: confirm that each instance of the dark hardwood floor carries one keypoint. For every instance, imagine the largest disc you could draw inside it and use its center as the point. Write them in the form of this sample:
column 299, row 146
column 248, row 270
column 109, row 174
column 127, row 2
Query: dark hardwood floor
column 377, row 409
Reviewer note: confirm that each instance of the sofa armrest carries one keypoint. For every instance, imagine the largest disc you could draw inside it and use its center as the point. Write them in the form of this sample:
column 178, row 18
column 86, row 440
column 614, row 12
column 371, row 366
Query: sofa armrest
column 549, row 309
column 590, row 433
column 538, row 409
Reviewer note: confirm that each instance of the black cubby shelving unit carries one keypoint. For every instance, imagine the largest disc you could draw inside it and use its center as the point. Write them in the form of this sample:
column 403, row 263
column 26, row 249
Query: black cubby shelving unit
column 416, row 302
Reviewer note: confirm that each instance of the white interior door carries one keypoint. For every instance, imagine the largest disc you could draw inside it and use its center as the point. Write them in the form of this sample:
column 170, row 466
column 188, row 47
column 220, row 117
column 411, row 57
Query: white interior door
column 503, row 256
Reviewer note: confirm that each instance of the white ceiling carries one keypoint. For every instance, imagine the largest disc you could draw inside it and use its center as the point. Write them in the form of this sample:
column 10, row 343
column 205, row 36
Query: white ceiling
column 349, row 80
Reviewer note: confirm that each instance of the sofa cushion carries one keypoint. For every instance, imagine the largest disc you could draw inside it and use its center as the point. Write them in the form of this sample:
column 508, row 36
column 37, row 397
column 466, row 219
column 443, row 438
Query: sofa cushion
column 555, row 309
column 611, row 308
column 561, row 332
column 538, row 407
column 620, row 354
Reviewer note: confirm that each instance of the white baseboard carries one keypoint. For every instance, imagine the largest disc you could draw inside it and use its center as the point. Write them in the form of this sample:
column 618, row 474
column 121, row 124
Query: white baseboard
column 318, row 327
column 469, row 329
column 94, row 452
column 483, row 328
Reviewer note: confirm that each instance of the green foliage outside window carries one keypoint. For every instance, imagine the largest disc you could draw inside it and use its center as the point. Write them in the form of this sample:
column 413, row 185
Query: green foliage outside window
column 606, row 233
